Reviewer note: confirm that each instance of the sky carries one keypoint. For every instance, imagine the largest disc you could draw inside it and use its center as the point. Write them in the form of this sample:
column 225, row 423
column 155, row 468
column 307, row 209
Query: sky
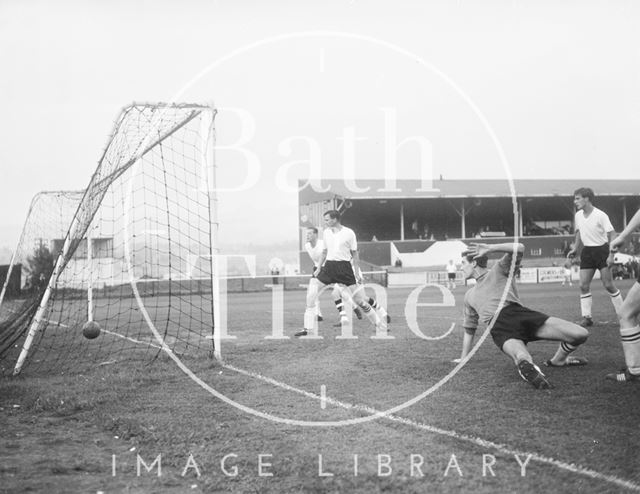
column 335, row 89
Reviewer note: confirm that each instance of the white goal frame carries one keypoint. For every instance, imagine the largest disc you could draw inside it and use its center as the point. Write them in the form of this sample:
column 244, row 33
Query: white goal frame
column 209, row 172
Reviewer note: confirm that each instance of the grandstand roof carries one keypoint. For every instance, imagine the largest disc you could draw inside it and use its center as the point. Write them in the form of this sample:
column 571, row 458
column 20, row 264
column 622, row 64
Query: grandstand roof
column 412, row 189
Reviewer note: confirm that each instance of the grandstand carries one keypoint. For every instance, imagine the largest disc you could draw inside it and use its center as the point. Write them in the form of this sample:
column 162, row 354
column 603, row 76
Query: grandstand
column 406, row 225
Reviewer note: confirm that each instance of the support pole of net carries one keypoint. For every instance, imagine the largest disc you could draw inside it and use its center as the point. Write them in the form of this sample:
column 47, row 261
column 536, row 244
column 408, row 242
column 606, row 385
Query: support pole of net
column 210, row 170
column 90, row 280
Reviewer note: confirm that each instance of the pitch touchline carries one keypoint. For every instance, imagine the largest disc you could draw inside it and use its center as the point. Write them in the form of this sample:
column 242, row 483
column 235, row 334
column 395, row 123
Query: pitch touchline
column 570, row 467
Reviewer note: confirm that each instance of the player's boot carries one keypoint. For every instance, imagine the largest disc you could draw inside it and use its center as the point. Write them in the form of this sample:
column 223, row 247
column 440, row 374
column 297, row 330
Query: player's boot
column 302, row 332
column 532, row 374
column 586, row 322
column 358, row 312
column 623, row 376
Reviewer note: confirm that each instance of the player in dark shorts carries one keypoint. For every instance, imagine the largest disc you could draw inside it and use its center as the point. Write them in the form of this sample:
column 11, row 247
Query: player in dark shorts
column 629, row 312
column 594, row 232
column 513, row 325
column 339, row 264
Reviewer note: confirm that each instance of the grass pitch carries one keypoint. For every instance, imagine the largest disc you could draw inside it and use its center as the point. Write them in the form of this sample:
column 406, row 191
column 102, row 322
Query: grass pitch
column 483, row 431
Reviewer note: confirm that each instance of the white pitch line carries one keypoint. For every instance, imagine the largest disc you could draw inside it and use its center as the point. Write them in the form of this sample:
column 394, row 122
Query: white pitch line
column 133, row 340
column 570, row 467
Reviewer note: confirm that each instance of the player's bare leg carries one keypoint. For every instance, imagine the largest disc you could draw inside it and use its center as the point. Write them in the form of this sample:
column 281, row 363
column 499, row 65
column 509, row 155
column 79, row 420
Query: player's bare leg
column 630, row 335
column 342, row 304
column 310, row 323
column 570, row 336
column 614, row 293
column 339, row 301
column 360, row 298
column 586, row 300
column 530, row 372
column 382, row 313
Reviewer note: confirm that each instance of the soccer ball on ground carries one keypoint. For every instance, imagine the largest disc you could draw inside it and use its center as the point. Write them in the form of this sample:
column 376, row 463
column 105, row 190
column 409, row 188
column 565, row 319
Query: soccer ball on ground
column 91, row 330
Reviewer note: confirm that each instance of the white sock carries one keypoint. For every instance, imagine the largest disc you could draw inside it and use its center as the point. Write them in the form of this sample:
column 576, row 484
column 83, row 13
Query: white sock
column 631, row 347
column 616, row 300
column 585, row 304
column 310, row 321
column 378, row 308
column 372, row 315
column 564, row 349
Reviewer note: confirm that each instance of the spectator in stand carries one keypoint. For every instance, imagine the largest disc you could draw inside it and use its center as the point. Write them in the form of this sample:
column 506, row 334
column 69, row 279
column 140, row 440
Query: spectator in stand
column 414, row 228
column 426, row 232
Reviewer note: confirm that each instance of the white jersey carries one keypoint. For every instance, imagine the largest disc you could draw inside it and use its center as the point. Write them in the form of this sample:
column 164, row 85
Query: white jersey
column 593, row 230
column 339, row 244
column 452, row 268
column 315, row 252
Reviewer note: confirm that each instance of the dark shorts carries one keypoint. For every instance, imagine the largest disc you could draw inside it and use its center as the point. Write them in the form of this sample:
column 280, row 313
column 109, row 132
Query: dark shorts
column 517, row 322
column 594, row 257
column 451, row 276
column 337, row 272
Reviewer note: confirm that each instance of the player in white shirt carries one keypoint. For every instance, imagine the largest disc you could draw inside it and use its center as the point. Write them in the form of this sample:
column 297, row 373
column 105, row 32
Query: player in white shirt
column 594, row 232
column 452, row 269
column 340, row 265
column 315, row 249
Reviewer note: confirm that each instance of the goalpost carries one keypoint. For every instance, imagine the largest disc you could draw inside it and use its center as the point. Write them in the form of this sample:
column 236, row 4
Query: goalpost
column 150, row 207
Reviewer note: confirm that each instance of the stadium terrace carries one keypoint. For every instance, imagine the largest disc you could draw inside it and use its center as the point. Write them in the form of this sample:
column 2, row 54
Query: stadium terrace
column 392, row 224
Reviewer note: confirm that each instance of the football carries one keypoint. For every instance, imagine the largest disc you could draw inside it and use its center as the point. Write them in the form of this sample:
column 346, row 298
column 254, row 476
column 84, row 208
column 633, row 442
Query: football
column 91, row 330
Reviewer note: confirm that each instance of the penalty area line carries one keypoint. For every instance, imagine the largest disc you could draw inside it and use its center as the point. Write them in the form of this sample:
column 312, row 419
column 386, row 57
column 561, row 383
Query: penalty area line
column 477, row 441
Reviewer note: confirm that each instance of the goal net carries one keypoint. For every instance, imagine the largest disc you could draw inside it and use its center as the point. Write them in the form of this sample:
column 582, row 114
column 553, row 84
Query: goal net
column 48, row 218
column 123, row 259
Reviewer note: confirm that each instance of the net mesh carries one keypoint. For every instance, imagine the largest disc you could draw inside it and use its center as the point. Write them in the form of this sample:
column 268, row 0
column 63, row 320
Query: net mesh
column 142, row 220
column 49, row 216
